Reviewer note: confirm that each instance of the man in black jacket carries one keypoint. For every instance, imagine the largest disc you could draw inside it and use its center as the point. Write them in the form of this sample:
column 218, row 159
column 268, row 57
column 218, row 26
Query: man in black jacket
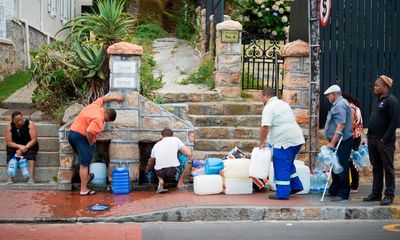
column 381, row 140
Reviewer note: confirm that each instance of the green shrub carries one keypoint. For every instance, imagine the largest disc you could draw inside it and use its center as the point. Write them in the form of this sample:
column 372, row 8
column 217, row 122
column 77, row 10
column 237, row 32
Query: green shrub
column 204, row 73
column 148, row 82
column 14, row 82
column 150, row 31
column 150, row 11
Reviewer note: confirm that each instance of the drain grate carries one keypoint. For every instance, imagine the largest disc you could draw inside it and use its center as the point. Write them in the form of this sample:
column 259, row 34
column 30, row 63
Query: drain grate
column 98, row 207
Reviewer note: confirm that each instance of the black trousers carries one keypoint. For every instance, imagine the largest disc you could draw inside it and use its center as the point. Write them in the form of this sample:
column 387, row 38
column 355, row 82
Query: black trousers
column 381, row 156
column 340, row 182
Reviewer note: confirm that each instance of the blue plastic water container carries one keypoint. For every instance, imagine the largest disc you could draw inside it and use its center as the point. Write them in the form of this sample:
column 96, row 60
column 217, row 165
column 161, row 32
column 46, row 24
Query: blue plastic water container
column 120, row 181
column 213, row 166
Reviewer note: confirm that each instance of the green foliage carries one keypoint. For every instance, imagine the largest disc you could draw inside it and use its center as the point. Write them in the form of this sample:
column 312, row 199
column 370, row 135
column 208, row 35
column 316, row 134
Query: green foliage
column 150, row 11
column 90, row 59
column 148, row 82
column 14, row 82
column 58, row 81
column 245, row 95
column 107, row 25
column 204, row 73
column 263, row 16
column 159, row 100
column 150, row 31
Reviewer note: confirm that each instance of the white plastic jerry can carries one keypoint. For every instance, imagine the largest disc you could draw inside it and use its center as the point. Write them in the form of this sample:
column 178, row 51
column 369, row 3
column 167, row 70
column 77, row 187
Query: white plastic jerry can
column 207, row 184
column 238, row 185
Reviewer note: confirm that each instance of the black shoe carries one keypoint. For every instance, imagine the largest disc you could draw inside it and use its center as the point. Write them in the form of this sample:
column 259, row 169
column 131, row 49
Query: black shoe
column 372, row 198
column 295, row 191
column 386, row 201
column 331, row 195
column 274, row 197
column 339, row 200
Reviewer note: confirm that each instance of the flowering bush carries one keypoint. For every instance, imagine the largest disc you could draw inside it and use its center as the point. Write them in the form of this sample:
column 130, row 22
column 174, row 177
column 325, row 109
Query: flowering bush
column 266, row 16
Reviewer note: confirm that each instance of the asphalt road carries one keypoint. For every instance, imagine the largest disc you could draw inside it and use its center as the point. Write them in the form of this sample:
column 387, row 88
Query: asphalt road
column 271, row 230
column 308, row 230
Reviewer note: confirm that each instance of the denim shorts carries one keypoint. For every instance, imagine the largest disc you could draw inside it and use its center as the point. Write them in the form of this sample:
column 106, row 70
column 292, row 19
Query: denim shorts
column 82, row 148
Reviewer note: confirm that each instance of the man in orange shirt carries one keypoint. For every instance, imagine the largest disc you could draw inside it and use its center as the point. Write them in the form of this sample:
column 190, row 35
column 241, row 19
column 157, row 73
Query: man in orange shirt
column 84, row 130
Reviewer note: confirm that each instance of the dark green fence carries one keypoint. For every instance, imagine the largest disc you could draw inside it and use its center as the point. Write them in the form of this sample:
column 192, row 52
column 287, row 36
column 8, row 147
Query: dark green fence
column 360, row 42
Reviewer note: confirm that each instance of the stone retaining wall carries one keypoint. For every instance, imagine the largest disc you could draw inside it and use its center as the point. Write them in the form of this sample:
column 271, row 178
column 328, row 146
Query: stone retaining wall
column 13, row 52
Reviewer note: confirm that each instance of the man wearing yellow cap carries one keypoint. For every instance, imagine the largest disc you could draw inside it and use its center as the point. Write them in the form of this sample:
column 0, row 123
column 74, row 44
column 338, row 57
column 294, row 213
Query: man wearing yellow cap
column 381, row 141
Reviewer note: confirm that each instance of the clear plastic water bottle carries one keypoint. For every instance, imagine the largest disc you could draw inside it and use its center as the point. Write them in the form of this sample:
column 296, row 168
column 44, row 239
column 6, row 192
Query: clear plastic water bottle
column 314, row 182
column 12, row 167
column 23, row 165
column 336, row 167
column 323, row 179
column 363, row 151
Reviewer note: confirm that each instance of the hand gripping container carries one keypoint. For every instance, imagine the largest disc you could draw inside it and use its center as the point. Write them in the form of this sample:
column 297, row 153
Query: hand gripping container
column 120, row 181
column 259, row 163
column 207, row 184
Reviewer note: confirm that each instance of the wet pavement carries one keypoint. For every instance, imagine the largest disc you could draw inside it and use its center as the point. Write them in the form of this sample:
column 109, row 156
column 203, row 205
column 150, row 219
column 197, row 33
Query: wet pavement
column 17, row 205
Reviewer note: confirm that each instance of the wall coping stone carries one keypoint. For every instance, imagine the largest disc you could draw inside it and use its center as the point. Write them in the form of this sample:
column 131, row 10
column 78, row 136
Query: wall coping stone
column 125, row 48
column 296, row 48
column 229, row 25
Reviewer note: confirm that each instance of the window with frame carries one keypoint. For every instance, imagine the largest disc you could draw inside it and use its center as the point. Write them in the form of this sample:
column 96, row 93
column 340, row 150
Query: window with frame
column 7, row 12
column 52, row 7
column 64, row 11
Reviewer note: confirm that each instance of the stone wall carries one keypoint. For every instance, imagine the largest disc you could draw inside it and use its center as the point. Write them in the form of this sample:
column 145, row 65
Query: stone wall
column 13, row 52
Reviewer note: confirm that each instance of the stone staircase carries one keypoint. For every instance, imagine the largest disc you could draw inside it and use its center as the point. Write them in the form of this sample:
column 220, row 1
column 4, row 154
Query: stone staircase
column 222, row 125
column 47, row 163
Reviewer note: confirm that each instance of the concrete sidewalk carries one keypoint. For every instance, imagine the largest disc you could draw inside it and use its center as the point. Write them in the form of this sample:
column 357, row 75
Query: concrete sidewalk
column 175, row 206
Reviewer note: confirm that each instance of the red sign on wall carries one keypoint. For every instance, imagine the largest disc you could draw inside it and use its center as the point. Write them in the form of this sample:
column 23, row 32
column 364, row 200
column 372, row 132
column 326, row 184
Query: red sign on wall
column 324, row 11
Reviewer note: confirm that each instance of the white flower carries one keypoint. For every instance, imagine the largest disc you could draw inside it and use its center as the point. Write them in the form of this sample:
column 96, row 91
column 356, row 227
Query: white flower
column 287, row 9
column 259, row 2
column 263, row 6
column 286, row 29
column 284, row 19
column 281, row 10
column 274, row 33
column 255, row 11
column 267, row 9
column 275, row 7
column 246, row 19
column 259, row 14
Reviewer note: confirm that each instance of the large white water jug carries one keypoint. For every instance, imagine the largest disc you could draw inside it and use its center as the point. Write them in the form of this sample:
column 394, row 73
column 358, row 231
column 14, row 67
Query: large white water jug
column 259, row 162
column 303, row 172
column 238, row 185
column 207, row 184
column 236, row 168
column 99, row 170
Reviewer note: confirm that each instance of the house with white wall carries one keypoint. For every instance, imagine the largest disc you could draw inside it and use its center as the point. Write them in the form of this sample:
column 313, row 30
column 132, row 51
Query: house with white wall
column 28, row 24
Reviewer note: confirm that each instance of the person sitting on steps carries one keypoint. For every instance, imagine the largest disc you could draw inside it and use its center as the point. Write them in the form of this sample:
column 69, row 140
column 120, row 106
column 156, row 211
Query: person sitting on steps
column 21, row 140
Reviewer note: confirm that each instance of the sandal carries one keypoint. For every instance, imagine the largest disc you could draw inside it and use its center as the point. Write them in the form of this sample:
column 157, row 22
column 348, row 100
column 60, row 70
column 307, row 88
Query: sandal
column 184, row 187
column 89, row 192
column 161, row 190
column 91, row 177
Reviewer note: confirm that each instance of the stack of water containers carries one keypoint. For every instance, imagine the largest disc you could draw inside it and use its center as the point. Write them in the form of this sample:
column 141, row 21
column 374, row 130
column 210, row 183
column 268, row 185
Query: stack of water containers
column 236, row 176
column 13, row 165
column 361, row 157
column 211, row 183
column 120, row 180
column 329, row 157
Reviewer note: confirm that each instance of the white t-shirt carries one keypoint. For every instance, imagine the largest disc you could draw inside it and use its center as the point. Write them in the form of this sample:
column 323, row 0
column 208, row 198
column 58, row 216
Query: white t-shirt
column 285, row 132
column 166, row 152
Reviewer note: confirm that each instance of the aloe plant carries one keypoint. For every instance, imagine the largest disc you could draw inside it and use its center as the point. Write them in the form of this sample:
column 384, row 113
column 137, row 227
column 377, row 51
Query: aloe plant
column 109, row 24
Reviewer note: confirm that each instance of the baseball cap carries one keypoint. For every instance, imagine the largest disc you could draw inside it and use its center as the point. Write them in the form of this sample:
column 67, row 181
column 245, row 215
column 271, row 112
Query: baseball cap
column 332, row 89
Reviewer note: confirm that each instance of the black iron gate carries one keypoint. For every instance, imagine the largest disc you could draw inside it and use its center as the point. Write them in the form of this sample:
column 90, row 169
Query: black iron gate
column 361, row 42
column 262, row 64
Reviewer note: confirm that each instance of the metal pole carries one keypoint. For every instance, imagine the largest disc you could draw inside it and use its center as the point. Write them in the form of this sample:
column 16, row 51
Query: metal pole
column 314, row 39
column 276, row 73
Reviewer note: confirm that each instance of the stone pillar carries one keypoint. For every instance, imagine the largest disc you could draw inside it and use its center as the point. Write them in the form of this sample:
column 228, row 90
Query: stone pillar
column 228, row 59
column 124, row 79
column 296, row 85
column 203, row 35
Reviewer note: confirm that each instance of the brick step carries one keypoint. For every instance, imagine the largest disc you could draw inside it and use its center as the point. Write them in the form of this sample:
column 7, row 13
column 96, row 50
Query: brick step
column 209, row 96
column 42, row 174
column 226, row 145
column 228, row 132
column 226, row 120
column 43, row 159
column 30, row 114
column 203, row 155
column 46, row 144
column 43, row 129
column 226, row 108
column 16, row 105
